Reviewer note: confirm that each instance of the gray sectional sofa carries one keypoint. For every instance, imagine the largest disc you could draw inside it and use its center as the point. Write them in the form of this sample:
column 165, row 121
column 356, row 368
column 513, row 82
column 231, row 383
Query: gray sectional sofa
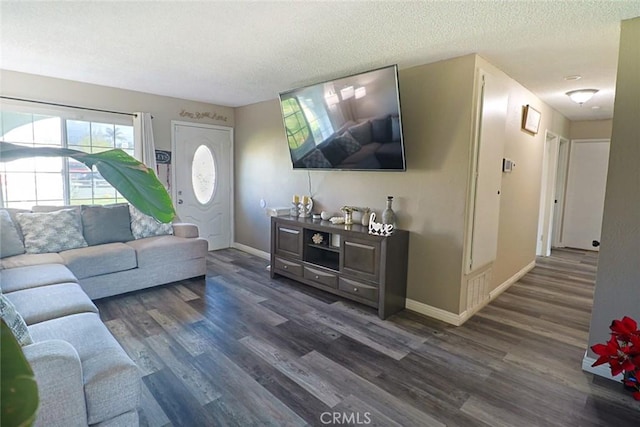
column 84, row 376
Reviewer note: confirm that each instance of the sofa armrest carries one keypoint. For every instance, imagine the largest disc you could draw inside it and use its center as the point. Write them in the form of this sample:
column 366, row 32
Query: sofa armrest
column 58, row 371
column 184, row 229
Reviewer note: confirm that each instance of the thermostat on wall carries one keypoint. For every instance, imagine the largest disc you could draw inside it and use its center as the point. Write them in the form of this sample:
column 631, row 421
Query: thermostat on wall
column 507, row 165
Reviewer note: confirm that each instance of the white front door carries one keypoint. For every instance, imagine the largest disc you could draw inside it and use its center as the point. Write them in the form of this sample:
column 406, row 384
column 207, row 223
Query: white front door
column 203, row 190
column 586, row 184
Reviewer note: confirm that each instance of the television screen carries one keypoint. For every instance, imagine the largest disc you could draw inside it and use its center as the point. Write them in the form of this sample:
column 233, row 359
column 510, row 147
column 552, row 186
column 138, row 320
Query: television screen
column 350, row 123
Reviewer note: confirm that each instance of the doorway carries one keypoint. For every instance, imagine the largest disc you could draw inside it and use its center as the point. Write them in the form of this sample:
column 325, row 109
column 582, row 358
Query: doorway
column 203, row 179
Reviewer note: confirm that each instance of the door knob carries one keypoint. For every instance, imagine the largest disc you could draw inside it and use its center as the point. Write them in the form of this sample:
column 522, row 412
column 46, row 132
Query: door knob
column 180, row 201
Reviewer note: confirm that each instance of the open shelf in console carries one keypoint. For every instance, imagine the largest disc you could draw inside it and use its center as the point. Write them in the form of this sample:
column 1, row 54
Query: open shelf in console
column 318, row 250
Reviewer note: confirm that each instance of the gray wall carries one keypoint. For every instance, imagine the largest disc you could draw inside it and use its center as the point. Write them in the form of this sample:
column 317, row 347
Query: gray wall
column 617, row 291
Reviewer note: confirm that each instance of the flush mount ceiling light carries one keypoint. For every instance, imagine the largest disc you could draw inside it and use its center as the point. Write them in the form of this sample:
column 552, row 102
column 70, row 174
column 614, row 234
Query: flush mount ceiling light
column 581, row 96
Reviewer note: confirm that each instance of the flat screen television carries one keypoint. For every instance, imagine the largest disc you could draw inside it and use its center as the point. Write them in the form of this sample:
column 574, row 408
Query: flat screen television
column 350, row 123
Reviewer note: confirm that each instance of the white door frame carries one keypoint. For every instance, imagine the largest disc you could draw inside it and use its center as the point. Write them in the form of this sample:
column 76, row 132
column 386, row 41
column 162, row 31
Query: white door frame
column 175, row 123
column 547, row 193
column 560, row 192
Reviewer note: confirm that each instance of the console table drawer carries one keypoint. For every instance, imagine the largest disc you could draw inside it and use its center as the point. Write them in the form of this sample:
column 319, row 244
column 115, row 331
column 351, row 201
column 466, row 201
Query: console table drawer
column 321, row 276
column 288, row 266
column 360, row 289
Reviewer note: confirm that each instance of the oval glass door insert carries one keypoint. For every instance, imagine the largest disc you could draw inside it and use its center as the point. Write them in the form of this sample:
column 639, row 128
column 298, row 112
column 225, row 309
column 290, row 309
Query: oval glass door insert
column 203, row 174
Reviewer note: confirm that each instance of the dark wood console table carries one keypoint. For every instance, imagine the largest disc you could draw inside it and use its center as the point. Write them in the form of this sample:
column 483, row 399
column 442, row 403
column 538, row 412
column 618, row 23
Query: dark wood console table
column 344, row 259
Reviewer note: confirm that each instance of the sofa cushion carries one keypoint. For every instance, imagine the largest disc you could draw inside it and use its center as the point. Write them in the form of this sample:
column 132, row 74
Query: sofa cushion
column 26, row 260
column 19, row 278
column 14, row 321
column 362, row 132
column 390, row 156
column 51, row 231
column 381, row 129
column 50, row 302
column 156, row 251
column 111, row 379
column 101, row 259
column 10, row 242
column 143, row 225
column 106, row 224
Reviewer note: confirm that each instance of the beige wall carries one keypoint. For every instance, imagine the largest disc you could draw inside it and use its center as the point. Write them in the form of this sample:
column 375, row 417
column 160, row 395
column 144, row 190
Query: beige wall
column 617, row 291
column 520, row 194
column 429, row 197
column 591, row 129
column 163, row 108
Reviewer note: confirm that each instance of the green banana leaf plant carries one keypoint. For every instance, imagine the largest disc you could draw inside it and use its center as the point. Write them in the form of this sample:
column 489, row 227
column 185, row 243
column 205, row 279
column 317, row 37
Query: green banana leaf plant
column 140, row 186
column 19, row 391
column 136, row 182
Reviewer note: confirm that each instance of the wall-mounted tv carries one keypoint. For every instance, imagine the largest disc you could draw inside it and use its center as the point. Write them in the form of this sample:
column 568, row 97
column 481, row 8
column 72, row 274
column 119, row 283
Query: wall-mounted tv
column 350, row 123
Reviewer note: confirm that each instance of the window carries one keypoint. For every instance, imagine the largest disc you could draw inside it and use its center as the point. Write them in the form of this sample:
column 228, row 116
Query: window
column 295, row 123
column 58, row 180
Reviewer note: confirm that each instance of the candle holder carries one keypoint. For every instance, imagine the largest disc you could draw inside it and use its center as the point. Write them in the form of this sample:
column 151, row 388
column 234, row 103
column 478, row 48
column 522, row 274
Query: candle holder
column 293, row 211
column 305, row 207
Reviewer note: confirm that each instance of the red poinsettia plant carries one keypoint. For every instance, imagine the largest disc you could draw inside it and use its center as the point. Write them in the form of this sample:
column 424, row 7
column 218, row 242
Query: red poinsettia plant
column 622, row 352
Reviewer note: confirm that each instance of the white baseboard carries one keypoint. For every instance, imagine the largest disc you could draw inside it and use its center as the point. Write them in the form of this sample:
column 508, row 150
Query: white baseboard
column 511, row 280
column 252, row 251
column 435, row 312
column 600, row 370
column 459, row 319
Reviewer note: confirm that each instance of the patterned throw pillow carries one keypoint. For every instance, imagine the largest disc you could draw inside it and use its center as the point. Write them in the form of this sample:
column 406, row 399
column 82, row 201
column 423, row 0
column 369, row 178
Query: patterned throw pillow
column 14, row 321
column 10, row 242
column 348, row 143
column 316, row 159
column 51, row 231
column 147, row 226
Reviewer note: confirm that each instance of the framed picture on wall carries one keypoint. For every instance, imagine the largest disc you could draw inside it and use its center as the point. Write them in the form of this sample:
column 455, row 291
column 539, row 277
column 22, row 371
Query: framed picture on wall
column 530, row 119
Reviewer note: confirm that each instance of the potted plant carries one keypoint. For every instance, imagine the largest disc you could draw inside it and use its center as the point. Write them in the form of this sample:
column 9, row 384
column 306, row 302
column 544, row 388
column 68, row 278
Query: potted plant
column 140, row 186
column 622, row 353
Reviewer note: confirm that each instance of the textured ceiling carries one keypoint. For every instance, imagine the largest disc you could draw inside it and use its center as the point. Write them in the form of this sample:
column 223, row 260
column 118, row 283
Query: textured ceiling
column 238, row 53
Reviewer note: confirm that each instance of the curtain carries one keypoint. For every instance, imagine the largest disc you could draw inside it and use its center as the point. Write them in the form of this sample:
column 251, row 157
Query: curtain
column 145, row 148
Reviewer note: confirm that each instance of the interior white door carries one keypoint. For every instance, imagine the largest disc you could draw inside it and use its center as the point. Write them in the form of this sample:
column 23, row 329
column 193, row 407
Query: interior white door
column 203, row 179
column 586, row 183
column 489, row 151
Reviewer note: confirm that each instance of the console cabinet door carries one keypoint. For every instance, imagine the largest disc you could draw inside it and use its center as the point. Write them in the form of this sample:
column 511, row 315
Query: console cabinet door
column 360, row 258
column 288, row 240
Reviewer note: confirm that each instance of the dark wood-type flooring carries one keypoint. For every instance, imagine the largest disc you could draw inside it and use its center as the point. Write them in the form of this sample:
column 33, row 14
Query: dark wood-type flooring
column 240, row 349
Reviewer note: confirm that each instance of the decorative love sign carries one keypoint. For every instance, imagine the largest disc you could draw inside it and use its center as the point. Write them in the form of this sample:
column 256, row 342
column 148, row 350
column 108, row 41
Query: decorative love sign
column 379, row 229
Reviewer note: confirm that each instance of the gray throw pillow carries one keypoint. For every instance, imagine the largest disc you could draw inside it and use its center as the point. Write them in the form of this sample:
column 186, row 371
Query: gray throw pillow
column 362, row 132
column 51, row 231
column 10, row 242
column 381, row 129
column 106, row 224
column 147, row 226
column 14, row 321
